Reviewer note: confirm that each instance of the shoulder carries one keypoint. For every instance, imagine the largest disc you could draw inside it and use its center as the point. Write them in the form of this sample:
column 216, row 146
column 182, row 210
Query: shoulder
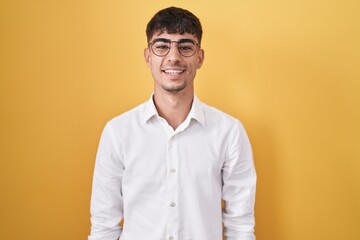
column 226, row 129
column 219, row 118
column 133, row 116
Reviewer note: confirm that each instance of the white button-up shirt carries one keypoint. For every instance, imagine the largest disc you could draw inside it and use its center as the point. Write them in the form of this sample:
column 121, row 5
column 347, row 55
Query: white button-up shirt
column 168, row 184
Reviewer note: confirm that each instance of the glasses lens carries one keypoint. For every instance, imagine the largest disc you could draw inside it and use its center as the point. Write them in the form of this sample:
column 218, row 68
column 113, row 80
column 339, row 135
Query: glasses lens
column 161, row 48
column 187, row 49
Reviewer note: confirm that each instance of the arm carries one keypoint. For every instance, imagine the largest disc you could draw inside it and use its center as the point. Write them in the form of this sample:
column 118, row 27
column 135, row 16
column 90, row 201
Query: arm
column 106, row 199
column 239, row 186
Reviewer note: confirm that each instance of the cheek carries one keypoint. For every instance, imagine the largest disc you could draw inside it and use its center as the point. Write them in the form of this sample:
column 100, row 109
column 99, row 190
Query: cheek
column 194, row 66
column 155, row 69
column 155, row 64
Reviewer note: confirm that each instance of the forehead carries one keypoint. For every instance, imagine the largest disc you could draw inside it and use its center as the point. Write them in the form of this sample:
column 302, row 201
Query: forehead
column 174, row 36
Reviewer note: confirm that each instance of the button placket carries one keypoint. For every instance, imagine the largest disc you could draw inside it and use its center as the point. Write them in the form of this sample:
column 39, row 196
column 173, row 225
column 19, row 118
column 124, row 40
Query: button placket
column 172, row 188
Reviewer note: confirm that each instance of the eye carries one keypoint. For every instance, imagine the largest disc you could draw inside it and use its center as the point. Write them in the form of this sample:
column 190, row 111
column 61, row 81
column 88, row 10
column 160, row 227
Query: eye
column 186, row 47
column 162, row 46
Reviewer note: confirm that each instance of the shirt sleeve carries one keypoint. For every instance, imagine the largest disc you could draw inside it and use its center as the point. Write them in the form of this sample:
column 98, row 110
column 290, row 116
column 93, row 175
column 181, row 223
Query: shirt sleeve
column 106, row 199
column 239, row 187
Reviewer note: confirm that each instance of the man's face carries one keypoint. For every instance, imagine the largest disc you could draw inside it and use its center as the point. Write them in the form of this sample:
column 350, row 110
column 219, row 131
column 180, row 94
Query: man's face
column 173, row 72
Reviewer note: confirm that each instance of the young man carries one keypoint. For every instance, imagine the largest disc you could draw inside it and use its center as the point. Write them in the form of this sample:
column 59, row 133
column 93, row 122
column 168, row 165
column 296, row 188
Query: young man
column 164, row 166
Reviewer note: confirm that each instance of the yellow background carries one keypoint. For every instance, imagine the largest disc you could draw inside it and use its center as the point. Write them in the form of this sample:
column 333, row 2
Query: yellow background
column 290, row 70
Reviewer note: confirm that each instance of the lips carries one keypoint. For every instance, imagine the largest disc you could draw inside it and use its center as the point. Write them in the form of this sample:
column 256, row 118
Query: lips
column 173, row 71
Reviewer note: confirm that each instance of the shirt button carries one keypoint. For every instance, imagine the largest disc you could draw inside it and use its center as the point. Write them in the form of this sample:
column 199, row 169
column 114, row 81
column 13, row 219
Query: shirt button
column 173, row 204
column 172, row 170
column 171, row 238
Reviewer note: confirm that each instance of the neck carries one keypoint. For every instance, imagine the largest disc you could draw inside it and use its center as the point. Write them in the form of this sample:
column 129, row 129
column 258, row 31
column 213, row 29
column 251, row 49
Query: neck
column 173, row 107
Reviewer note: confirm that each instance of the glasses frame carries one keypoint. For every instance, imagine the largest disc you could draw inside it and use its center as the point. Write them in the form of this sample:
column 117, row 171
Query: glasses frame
column 165, row 40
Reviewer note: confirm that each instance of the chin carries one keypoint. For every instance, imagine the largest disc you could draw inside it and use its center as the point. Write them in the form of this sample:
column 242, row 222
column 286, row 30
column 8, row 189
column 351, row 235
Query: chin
column 174, row 89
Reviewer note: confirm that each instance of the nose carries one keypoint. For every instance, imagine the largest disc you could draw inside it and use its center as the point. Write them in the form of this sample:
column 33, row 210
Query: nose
column 174, row 54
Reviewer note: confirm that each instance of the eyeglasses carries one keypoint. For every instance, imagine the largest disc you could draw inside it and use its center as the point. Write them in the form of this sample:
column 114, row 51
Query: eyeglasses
column 161, row 47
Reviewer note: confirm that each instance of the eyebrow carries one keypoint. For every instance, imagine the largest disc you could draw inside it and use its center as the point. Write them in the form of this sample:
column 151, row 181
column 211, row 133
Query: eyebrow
column 183, row 40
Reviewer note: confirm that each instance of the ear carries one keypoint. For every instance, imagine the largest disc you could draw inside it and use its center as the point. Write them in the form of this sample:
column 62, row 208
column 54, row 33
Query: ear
column 200, row 56
column 147, row 57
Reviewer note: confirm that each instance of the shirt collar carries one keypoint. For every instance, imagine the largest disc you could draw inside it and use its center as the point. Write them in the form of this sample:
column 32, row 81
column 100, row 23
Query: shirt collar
column 196, row 112
column 150, row 109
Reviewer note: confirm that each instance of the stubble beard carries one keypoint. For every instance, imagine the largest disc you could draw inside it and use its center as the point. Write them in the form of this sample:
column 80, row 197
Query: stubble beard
column 174, row 88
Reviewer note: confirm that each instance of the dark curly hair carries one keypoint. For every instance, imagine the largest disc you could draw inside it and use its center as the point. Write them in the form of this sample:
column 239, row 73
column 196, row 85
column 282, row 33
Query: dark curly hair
column 174, row 20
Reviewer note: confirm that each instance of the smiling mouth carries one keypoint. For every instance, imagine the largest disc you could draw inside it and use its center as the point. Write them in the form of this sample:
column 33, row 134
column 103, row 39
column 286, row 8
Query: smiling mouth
column 173, row 71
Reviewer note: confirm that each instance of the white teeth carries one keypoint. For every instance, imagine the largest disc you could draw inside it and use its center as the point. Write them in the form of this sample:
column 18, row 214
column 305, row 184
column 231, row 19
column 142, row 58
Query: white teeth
column 173, row 71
